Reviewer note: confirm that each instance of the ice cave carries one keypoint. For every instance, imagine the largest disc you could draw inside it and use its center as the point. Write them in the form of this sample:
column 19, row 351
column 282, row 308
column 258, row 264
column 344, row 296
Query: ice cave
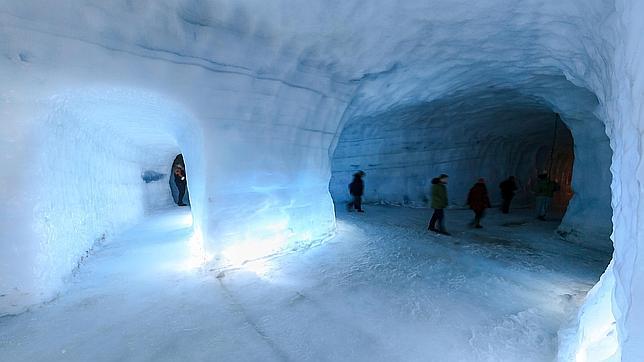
column 259, row 114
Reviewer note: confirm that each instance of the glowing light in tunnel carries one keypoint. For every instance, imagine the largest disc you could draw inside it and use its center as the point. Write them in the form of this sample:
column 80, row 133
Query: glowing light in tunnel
column 197, row 255
column 254, row 248
column 252, row 252
column 247, row 251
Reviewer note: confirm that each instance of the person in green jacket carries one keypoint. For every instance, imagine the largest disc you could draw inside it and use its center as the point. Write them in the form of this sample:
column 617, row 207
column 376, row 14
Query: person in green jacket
column 544, row 189
column 439, row 203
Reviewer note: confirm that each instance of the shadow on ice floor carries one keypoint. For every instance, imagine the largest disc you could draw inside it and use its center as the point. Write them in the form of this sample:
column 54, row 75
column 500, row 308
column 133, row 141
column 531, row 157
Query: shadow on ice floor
column 383, row 289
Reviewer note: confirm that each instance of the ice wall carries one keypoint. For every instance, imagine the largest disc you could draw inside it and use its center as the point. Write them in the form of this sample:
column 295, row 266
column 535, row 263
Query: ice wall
column 628, row 234
column 610, row 322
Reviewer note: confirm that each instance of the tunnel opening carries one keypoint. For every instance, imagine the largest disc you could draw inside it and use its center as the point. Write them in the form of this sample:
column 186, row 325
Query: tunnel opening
column 489, row 133
column 402, row 150
column 557, row 162
column 103, row 170
column 400, row 160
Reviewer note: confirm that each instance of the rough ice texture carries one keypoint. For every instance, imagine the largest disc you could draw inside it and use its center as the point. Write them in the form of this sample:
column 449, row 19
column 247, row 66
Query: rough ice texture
column 382, row 289
column 621, row 91
column 256, row 95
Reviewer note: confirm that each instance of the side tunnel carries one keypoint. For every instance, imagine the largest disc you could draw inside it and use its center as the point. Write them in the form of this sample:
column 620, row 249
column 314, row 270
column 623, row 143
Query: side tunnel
column 96, row 164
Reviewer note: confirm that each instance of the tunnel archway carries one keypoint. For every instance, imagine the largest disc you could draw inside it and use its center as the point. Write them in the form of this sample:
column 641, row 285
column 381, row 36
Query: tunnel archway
column 491, row 133
column 488, row 132
column 101, row 169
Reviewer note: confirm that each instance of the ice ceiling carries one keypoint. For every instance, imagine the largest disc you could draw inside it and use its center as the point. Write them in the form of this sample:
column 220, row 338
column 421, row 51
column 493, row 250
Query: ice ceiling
column 259, row 96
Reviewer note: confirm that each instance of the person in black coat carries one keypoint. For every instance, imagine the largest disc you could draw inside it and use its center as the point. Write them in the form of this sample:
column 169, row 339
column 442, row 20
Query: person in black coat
column 478, row 200
column 508, row 187
column 181, row 182
column 356, row 189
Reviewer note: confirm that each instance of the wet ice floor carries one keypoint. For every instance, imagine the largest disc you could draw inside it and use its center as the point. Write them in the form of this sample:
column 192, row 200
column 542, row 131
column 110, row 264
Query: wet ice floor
column 384, row 289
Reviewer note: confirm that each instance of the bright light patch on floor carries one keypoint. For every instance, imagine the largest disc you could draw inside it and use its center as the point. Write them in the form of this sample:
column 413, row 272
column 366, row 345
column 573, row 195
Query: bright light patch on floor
column 259, row 242
column 197, row 255
column 253, row 248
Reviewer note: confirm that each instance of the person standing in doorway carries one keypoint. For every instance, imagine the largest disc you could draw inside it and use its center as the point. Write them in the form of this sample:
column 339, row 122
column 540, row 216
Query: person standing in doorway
column 508, row 187
column 356, row 189
column 544, row 189
column 181, row 182
column 478, row 200
column 439, row 203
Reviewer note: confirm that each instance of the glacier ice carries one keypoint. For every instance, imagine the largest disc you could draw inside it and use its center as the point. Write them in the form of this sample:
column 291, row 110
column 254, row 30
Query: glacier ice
column 263, row 98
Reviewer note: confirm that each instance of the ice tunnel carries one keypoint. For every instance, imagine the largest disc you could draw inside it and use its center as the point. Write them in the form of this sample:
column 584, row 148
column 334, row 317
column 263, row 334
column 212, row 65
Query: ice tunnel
column 490, row 133
column 273, row 107
column 97, row 161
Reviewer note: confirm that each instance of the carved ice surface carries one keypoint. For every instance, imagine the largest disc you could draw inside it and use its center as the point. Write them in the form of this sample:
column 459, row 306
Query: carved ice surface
column 273, row 104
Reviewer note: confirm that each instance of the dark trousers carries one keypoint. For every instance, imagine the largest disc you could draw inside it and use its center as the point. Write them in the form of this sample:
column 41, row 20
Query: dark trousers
column 507, row 200
column 478, row 216
column 356, row 203
column 439, row 216
column 182, row 193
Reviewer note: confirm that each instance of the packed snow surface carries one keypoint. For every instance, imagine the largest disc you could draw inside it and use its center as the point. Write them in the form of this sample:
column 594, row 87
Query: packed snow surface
column 382, row 289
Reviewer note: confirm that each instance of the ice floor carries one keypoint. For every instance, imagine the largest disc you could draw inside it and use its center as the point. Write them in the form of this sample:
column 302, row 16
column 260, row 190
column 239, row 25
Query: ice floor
column 384, row 289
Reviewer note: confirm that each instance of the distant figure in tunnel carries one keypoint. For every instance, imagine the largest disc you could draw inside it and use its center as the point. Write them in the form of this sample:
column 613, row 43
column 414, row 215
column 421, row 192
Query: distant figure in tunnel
column 439, row 203
column 508, row 187
column 544, row 189
column 181, row 182
column 356, row 189
column 478, row 200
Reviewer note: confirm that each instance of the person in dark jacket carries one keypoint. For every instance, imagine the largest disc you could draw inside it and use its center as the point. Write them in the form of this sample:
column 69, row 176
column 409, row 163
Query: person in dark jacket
column 508, row 187
column 478, row 200
column 356, row 189
column 181, row 182
column 439, row 203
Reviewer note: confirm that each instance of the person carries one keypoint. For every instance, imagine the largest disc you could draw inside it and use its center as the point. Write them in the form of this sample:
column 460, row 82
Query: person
column 356, row 189
column 181, row 182
column 478, row 200
column 508, row 187
column 439, row 203
column 544, row 190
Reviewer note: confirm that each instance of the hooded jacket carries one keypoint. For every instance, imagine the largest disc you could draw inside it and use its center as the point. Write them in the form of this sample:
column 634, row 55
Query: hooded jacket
column 508, row 187
column 478, row 198
column 546, row 188
column 439, row 194
column 356, row 187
